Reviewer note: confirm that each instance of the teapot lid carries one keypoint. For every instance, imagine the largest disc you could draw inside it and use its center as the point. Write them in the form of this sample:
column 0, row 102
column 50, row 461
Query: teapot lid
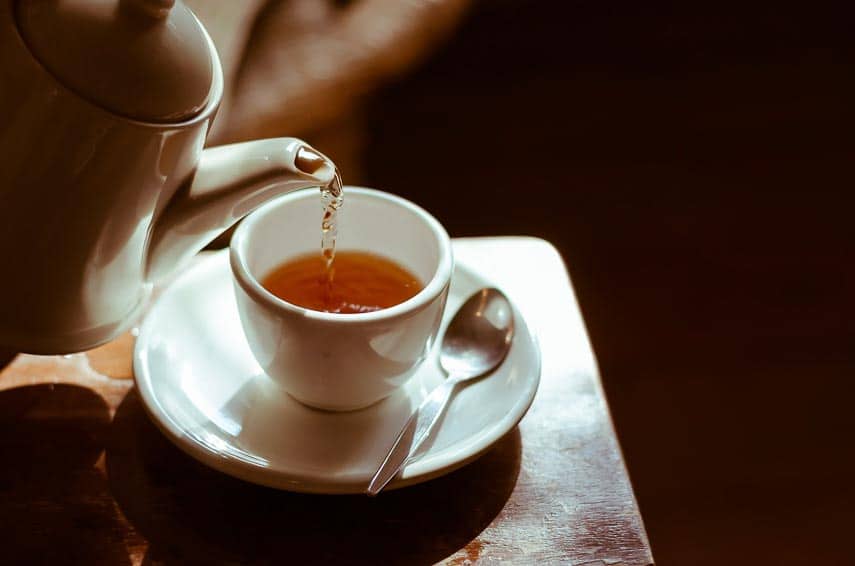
column 149, row 60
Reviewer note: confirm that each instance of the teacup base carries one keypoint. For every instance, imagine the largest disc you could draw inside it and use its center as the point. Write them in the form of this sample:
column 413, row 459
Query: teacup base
column 333, row 408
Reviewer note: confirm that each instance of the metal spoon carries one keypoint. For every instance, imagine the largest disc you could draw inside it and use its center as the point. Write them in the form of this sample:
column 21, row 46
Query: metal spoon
column 475, row 343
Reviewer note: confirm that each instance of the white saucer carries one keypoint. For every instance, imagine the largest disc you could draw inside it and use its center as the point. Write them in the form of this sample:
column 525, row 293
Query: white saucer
column 202, row 387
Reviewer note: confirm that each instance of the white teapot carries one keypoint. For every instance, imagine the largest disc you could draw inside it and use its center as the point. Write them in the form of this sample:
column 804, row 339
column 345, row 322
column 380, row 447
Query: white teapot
column 104, row 183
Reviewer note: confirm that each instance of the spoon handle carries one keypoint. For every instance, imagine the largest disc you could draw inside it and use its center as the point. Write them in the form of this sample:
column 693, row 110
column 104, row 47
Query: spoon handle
column 421, row 422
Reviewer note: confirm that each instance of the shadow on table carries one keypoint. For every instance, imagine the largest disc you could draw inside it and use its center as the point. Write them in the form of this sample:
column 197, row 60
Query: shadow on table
column 55, row 505
column 190, row 513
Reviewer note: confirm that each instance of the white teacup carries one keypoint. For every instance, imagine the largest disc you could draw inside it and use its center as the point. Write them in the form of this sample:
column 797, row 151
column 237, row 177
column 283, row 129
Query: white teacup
column 340, row 361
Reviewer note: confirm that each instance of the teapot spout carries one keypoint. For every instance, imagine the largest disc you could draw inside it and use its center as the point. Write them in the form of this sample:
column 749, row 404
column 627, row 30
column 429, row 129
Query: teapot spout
column 230, row 182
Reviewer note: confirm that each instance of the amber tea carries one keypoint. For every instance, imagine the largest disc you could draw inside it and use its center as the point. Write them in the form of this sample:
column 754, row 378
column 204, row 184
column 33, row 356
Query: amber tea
column 356, row 282
column 346, row 282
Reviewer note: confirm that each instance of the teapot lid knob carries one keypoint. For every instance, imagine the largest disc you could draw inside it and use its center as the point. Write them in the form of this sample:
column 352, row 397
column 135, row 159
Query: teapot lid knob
column 149, row 60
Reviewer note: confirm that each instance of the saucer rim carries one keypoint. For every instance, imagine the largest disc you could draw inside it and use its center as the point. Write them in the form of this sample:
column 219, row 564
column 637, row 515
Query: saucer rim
column 424, row 469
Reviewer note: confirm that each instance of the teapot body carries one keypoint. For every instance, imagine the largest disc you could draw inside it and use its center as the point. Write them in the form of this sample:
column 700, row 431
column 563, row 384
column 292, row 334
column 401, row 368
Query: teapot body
column 80, row 189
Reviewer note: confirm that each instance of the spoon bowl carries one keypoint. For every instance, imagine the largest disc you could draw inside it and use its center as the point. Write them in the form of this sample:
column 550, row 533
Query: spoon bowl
column 478, row 337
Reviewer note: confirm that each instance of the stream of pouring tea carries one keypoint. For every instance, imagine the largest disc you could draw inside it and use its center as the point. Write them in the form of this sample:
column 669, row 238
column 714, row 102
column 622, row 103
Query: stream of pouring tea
column 331, row 199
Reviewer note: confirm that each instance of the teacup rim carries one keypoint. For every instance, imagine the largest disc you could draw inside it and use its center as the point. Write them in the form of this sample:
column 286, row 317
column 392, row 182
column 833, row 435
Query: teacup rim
column 431, row 291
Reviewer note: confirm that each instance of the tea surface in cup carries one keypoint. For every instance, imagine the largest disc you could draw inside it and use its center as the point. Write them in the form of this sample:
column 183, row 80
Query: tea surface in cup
column 357, row 282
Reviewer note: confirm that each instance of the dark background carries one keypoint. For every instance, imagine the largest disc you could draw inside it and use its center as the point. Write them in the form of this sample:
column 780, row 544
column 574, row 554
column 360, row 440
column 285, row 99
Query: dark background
column 693, row 165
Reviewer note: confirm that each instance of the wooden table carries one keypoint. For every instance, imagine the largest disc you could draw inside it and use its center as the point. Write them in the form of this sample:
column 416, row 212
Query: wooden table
column 85, row 477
